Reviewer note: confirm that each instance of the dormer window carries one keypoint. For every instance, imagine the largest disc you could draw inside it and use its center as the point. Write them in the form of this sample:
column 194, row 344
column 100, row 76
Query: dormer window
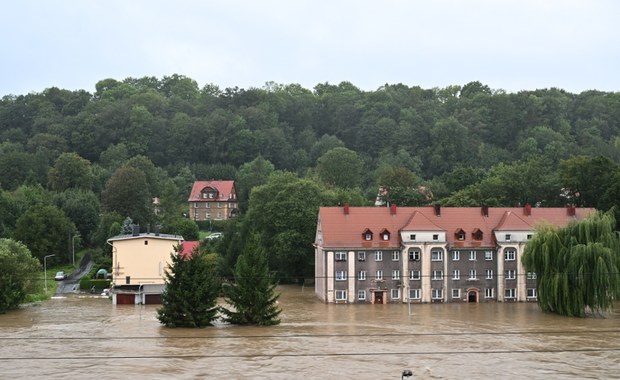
column 209, row 193
column 367, row 235
column 385, row 235
column 508, row 237
column 477, row 234
column 460, row 234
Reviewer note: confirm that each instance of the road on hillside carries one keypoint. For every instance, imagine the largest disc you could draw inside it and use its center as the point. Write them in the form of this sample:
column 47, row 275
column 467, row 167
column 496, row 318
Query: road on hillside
column 72, row 283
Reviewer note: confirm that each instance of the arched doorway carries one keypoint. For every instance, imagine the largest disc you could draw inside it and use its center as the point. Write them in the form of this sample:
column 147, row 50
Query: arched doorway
column 473, row 295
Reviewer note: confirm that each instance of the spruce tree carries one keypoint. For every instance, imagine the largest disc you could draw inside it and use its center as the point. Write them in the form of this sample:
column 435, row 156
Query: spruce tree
column 190, row 298
column 577, row 267
column 252, row 295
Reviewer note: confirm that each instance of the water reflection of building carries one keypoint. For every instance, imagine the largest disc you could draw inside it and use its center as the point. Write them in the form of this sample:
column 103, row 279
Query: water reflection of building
column 428, row 254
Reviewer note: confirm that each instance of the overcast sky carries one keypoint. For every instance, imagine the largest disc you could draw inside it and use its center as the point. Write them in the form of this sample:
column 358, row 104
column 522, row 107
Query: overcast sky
column 506, row 44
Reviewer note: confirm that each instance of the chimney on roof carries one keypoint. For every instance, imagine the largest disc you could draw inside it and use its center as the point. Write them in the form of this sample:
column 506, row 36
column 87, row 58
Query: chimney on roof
column 571, row 210
column 135, row 229
column 485, row 210
column 392, row 209
column 148, row 229
column 527, row 209
column 346, row 209
column 437, row 208
column 157, row 229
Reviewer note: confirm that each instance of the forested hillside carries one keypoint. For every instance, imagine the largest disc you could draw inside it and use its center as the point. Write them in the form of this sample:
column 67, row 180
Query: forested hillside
column 88, row 161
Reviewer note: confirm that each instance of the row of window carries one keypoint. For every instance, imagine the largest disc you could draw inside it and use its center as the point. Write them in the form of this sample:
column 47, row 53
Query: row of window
column 460, row 235
column 436, row 255
column 208, row 205
column 416, row 294
column 510, row 274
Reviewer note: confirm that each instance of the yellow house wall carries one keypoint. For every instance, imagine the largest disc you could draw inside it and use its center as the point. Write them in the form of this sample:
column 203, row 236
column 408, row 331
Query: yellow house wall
column 145, row 263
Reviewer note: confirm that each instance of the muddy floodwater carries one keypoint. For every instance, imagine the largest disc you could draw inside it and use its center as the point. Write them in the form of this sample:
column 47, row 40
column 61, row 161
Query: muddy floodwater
column 90, row 338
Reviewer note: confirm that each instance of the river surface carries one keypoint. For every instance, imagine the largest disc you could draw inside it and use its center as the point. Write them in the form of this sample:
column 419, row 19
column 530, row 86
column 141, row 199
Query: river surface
column 76, row 337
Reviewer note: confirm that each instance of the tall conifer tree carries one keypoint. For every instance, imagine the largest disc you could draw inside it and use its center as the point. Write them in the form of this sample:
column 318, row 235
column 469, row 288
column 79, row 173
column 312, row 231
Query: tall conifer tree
column 252, row 295
column 190, row 298
column 577, row 267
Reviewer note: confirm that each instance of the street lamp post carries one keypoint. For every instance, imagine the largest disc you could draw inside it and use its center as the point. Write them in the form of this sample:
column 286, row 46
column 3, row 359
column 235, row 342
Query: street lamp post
column 45, row 270
column 73, row 247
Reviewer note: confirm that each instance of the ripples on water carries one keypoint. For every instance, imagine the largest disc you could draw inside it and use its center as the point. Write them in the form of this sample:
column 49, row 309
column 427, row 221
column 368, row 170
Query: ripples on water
column 93, row 338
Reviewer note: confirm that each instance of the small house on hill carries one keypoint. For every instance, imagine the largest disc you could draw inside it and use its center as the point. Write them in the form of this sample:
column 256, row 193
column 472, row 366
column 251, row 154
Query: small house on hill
column 213, row 200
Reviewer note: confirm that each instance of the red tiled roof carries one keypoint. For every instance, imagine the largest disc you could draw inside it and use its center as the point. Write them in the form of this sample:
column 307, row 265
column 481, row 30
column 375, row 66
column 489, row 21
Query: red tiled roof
column 187, row 248
column 345, row 230
column 224, row 188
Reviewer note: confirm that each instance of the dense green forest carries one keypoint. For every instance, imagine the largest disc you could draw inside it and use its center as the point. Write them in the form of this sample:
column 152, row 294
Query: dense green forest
column 74, row 163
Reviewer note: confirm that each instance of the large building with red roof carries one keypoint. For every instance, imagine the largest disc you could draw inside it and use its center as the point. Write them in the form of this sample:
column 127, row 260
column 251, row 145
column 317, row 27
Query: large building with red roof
column 213, row 200
column 428, row 254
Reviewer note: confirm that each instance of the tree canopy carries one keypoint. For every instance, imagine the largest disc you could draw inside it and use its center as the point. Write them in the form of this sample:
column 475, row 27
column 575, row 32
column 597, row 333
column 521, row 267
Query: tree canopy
column 577, row 267
column 252, row 294
column 18, row 269
column 190, row 298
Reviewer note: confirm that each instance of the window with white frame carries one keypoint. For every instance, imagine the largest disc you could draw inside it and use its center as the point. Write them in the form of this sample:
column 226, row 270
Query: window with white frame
column 437, row 275
column 414, row 294
column 395, row 293
column 510, row 254
column 437, row 294
column 489, row 292
column 511, row 274
column 472, row 274
column 208, row 205
column 367, row 236
column 341, row 295
column 456, row 255
column 378, row 255
column 361, row 295
column 510, row 293
column 341, row 256
column 456, row 274
column 488, row 255
column 379, row 275
column 472, row 255
column 414, row 255
column 385, row 236
column 395, row 274
column 395, row 255
column 488, row 273
column 341, row 275
column 531, row 293
column 414, row 275
column 531, row 275
column 361, row 256
column 508, row 237
column 456, row 293
column 361, row 275
column 436, row 255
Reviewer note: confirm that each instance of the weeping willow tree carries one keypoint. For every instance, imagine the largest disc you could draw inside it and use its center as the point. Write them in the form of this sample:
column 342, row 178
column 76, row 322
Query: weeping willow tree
column 577, row 267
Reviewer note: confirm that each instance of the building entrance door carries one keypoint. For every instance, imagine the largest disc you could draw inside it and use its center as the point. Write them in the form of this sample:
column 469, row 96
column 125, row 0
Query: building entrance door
column 378, row 297
column 472, row 295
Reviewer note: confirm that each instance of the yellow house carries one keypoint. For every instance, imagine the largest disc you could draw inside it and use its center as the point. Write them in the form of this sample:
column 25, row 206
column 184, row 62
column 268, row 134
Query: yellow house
column 139, row 263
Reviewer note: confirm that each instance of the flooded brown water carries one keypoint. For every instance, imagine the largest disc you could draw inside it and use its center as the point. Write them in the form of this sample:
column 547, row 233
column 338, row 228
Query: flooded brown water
column 91, row 338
